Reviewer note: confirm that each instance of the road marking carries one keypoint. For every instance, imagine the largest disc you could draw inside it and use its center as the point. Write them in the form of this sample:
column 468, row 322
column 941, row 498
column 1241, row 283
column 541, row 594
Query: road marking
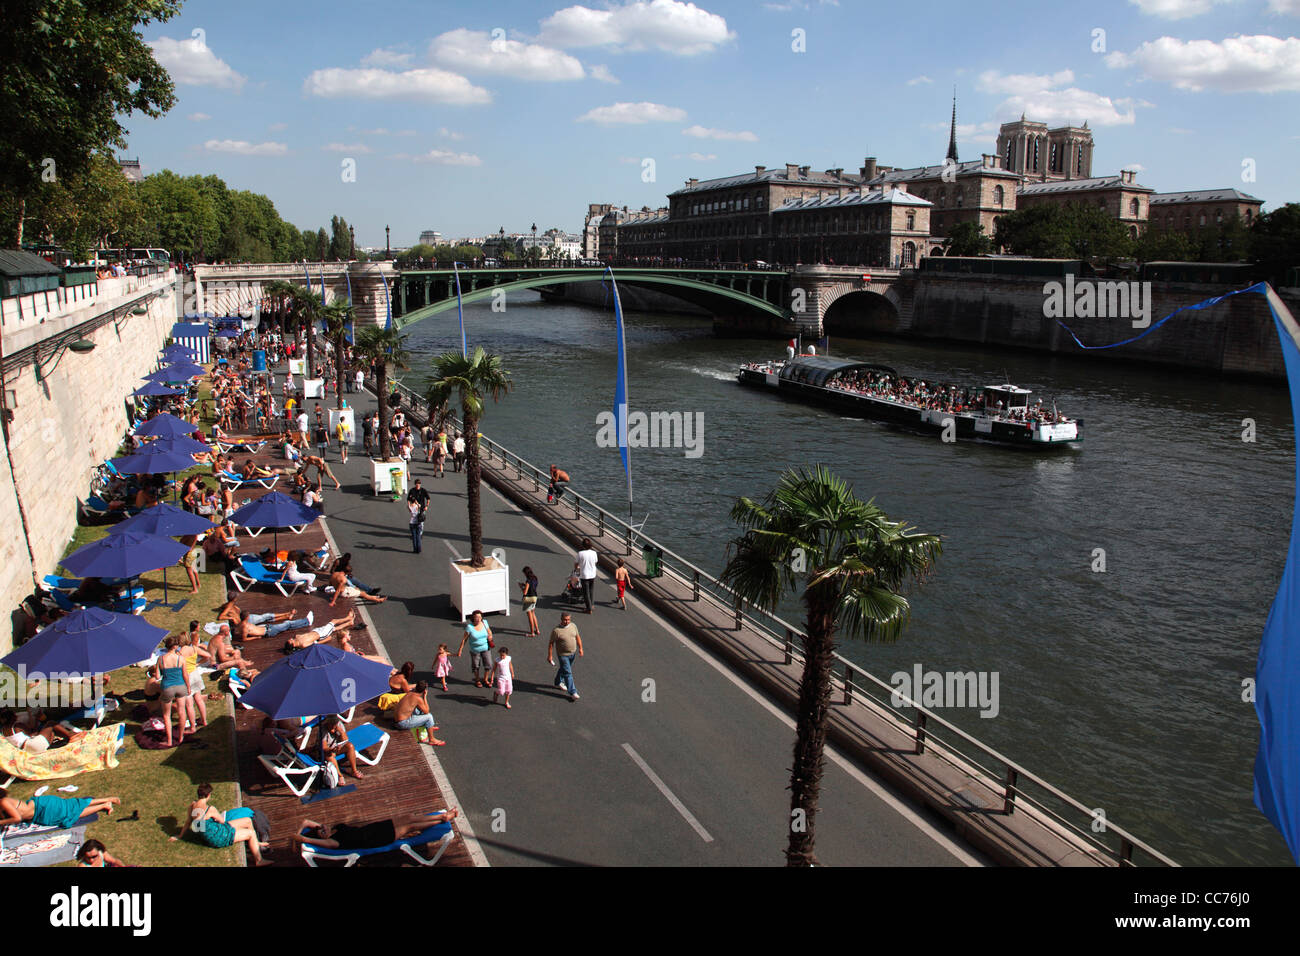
column 669, row 795
column 899, row 807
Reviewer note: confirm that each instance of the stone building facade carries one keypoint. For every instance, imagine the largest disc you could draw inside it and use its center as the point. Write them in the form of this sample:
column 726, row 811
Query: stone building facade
column 1121, row 196
column 1199, row 210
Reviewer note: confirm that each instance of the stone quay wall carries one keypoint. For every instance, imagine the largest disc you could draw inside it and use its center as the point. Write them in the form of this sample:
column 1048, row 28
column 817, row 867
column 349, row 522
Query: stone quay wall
column 62, row 429
column 1236, row 336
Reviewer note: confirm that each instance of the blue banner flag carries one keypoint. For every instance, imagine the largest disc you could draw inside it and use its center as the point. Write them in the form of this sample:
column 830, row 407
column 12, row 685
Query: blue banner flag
column 307, row 273
column 460, row 311
column 1277, row 674
column 620, row 388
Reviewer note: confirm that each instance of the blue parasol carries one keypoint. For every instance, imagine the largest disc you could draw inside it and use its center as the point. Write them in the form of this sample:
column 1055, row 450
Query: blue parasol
column 88, row 641
column 317, row 680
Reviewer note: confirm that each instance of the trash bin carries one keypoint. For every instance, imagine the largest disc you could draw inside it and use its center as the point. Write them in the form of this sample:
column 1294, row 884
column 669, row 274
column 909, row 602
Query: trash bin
column 395, row 479
column 653, row 558
column 259, row 360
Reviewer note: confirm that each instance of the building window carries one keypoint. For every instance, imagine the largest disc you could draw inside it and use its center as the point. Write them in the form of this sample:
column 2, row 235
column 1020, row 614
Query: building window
column 909, row 254
column 1218, row 217
column 1202, row 220
column 1133, row 208
column 1169, row 221
column 1187, row 220
column 1035, row 155
column 1078, row 161
column 998, row 196
column 911, row 221
column 1011, row 154
column 1053, row 157
column 1248, row 214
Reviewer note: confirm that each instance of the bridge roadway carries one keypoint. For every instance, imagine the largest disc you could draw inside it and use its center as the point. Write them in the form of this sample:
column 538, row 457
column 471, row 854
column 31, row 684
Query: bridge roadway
column 696, row 778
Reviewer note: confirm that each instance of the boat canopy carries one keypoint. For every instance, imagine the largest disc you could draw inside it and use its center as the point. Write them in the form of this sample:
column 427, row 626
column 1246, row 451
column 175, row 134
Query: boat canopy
column 820, row 369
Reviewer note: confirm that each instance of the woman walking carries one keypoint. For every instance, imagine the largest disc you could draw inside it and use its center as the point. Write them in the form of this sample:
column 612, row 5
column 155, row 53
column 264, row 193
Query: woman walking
column 175, row 689
column 530, row 588
column 479, row 637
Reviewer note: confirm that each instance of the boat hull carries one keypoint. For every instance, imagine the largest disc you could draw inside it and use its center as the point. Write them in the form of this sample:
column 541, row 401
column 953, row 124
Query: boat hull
column 959, row 425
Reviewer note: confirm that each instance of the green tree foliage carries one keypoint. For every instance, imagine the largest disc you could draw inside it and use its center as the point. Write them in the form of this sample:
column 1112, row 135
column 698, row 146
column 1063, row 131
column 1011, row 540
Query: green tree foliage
column 411, row 256
column 71, row 71
column 340, row 241
column 179, row 215
column 967, row 239
column 81, row 214
column 1162, row 245
column 1275, row 241
column 1070, row 231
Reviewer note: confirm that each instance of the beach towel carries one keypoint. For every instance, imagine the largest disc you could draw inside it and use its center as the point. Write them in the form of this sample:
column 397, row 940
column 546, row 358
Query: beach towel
column 95, row 751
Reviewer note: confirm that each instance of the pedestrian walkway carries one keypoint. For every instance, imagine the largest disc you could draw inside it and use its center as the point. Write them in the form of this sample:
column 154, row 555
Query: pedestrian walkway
column 669, row 758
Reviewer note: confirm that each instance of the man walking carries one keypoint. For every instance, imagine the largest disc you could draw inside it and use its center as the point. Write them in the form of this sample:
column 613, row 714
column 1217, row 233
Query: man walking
column 417, row 500
column 567, row 643
column 587, row 572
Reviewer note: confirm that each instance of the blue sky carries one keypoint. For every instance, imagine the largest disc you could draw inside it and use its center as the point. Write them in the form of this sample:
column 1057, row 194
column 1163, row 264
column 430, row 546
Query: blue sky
column 465, row 117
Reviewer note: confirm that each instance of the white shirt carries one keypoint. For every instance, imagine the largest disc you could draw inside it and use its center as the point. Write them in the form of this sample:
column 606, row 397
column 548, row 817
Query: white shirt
column 587, row 565
column 302, row 422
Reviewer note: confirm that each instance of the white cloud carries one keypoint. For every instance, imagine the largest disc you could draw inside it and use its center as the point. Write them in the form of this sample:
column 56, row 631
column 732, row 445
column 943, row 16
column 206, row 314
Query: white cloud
column 382, row 58
column 601, row 72
column 991, row 81
column 703, row 132
column 198, row 117
column 475, row 51
column 919, row 79
column 242, row 148
column 191, row 62
column 1240, row 64
column 346, row 148
column 378, row 131
column 666, row 25
column 1134, row 167
column 799, row 5
column 1291, row 7
column 434, row 86
column 702, row 157
column 1180, row 131
column 1175, row 9
column 445, row 133
column 441, row 157
column 633, row 114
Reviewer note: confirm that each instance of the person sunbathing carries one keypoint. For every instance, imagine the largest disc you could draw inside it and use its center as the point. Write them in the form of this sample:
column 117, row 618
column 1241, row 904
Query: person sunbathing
column 339, row 581
column 220, row 830
column 34, row 734
column 334, row 743
column 320, row 635
column 345, row 642
column 52, row 811
column 344, row 836
column 227, row 657
column 250, row 627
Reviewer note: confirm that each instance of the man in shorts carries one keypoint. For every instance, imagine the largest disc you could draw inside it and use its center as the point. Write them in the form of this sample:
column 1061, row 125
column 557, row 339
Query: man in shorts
column 342, row 589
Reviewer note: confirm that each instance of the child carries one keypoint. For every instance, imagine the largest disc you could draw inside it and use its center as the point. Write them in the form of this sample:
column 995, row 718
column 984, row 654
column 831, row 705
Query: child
column 504, row 677
column 623, row 581
column 442, row 666
column 575, row 579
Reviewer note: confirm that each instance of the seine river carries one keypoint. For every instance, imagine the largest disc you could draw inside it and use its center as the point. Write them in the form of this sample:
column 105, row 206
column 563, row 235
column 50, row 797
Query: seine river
column 1123, row 688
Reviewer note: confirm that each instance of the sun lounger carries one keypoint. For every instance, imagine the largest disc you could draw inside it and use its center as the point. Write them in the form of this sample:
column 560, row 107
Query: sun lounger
column 56, row 583
column 251, row 571
column 298, row 769
column 241, row 447
column 440, row 833
column 237, row 481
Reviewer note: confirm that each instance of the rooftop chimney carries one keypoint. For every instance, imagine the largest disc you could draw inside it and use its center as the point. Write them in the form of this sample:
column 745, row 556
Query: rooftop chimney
column 868, row 169
column 759, row 171
column 791, row 170
column 804, row 170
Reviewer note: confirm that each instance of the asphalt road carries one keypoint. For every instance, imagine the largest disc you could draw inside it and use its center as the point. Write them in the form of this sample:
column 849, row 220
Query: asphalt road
column 667, row 759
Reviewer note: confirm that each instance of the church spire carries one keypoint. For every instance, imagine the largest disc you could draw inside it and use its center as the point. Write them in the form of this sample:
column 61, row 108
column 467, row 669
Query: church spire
column 952, row 135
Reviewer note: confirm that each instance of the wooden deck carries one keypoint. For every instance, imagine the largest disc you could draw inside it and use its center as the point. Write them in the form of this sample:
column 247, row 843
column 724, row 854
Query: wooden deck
column 402, row 782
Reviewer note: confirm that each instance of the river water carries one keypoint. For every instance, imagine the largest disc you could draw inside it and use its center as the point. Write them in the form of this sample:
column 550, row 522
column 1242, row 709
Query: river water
column 1122, row 687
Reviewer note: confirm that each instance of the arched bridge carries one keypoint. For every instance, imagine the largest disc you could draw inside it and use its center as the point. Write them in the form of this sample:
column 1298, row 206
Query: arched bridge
column 770, row 300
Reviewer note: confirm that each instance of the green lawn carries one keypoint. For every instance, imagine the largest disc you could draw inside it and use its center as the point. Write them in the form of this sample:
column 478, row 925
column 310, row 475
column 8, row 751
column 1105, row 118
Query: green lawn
column 160, row 783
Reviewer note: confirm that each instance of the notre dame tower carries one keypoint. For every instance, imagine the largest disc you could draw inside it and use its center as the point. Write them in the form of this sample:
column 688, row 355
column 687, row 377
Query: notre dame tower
column 1042, row 155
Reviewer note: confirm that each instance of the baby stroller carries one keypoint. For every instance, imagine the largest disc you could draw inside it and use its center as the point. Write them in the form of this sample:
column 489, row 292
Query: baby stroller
column 572, row 593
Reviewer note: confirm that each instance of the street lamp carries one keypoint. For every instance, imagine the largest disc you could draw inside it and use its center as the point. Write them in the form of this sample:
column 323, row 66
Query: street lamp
column 387, row 253
column 352, row 242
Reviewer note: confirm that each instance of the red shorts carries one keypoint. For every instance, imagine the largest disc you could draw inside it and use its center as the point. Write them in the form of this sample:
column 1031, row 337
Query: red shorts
column 622, row 586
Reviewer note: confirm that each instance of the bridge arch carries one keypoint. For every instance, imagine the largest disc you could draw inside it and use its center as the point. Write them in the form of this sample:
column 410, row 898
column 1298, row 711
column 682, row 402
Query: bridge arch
column 696, row 290
column 861, row 311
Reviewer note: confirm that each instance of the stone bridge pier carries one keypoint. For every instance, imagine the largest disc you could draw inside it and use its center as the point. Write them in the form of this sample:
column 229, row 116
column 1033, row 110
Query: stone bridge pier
column 814, row 289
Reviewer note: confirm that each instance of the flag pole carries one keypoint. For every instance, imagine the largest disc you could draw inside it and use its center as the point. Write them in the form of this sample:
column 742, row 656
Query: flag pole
column 620, row 398
column 460, row 310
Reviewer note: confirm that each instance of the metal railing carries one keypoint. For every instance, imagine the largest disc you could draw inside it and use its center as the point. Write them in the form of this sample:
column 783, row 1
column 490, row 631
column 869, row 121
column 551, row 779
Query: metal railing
column 1015, row 786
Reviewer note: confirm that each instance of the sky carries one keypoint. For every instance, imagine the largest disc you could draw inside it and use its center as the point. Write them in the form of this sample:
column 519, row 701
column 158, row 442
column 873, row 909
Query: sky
column 468, row 117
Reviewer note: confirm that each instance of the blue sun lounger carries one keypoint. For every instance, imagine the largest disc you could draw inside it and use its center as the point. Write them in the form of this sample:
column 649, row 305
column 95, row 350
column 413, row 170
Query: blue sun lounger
column 236, row 481
column 252, row 571
column 292, row 763
column 241, row 447
column 440, row 833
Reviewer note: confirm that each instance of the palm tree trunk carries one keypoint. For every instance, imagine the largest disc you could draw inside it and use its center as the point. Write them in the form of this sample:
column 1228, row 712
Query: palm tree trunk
column 810, row 736
column 381, row 386
column 338, row 371
column 311, row 348
column 473, row 473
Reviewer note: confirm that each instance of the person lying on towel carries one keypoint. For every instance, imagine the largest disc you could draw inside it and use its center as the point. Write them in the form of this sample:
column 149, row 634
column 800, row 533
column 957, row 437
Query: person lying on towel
column 370, row 836
column 51, row 811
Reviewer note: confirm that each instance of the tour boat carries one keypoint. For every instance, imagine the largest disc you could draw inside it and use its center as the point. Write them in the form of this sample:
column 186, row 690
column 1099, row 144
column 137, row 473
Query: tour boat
column 998, row 413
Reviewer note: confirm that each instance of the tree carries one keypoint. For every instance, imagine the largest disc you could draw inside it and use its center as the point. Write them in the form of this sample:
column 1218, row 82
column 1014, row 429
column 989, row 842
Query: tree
column 412, row 255
column 1162, row 245
column 80, row 213
column 305, row 308
column 1275, row 241
column 849, row 563
column 340, row 240
column 383, row 349
column 322, row 244
column 1069, row 231
column 472, row 380
column 178, row 215
column 967, row 239
column 71, row 70
column 337, row 316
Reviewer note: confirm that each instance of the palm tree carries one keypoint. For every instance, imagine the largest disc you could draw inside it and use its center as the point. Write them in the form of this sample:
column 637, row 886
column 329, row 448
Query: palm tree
column 472, row 379
column 337, row 316
column 851, row 562
column 383, row 348
column 306, row 307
